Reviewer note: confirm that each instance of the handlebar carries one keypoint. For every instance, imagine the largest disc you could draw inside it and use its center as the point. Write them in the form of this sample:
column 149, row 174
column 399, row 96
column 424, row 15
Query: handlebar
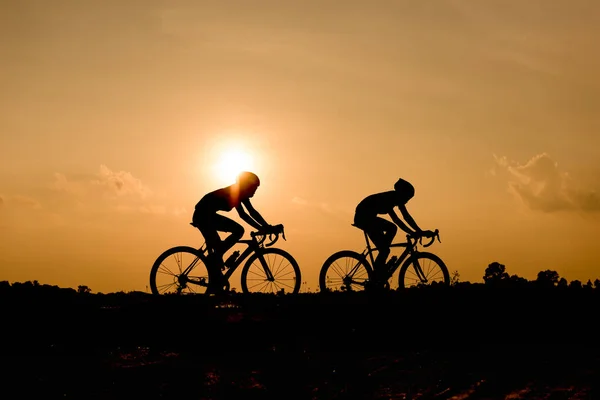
column 433, row 235
column 274, row 230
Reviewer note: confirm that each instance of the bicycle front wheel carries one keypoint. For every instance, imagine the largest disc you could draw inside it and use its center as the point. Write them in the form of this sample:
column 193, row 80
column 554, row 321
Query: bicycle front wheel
column 433, row 269
column 283, row 268
column 346, row 271
column 179, row 270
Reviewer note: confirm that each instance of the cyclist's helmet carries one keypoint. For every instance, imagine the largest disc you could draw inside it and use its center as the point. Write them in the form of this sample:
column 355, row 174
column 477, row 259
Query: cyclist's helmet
column 247, row 179
column 405, row 189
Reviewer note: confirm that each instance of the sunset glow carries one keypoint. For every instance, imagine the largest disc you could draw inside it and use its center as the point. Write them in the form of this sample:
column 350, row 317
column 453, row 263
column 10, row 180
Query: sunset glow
column 118, row 117
column 230, row 163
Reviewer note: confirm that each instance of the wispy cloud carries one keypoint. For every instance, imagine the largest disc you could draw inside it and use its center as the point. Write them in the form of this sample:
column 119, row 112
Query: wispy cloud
column 299, row 201
column 541, row 185
column 119, row 190
column 106, row 182
column 336, row 212
column 62, row 184
column 121, row 183
column 22, row 210
column 26, row 201
column 20, row 201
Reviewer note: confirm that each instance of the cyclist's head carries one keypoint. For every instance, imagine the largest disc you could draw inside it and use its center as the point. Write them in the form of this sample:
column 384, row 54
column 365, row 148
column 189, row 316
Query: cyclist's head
column 248, row 181
column 404, row 189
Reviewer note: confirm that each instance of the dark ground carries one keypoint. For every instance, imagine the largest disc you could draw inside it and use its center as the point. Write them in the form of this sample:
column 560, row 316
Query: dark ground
column 452, row 343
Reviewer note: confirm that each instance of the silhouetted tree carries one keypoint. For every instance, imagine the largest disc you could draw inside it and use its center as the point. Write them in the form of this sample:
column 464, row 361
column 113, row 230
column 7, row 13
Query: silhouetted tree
column 597, row 283
column 576, row 284
column 83, row 289
column 562, row 282
column 588, row 284
column 517, row 280
column 547, row 278
column 494, row 273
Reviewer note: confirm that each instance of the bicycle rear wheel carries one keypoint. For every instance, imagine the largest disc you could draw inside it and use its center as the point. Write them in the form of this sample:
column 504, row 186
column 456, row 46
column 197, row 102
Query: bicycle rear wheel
column 282, row 266
column 434, row 271
column 346, row 271
column 168, row 276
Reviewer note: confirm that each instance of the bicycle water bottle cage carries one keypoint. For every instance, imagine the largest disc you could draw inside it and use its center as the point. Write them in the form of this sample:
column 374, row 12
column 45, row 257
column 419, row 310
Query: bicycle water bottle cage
column 231, row 259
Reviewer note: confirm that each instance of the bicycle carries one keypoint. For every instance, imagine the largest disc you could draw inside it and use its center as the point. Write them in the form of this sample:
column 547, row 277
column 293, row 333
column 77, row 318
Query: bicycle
column 269, row 270
column 348, row 270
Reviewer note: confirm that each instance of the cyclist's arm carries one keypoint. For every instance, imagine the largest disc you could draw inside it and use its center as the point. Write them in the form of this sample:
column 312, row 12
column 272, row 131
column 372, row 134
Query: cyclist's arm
column 254, row 219
column 399, row 222
column 244, row 215
column 409, row 219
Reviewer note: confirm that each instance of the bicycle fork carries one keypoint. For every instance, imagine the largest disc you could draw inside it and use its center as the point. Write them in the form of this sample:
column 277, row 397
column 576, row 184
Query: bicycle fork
column 265, row 266
column 418, row 269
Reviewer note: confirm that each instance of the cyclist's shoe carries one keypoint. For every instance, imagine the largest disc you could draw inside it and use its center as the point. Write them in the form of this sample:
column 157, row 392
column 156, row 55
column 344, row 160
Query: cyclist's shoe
column 218, row 284
column 379, row 279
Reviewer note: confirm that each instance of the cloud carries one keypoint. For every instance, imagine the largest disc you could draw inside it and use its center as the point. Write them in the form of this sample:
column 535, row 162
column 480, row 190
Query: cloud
column 121, row 183
column 334, row 212
column 120, row 191
column 26, row 201
column 542, row 186
column 177, row 211
column 153, row 209
column 22, row 210
column 20, row 201
column 299, row 201
column 62, row 184
column 106, row 182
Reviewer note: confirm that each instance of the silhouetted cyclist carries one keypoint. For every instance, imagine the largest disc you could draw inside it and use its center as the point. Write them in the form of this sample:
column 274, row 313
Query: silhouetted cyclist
column 207, row 219
column 380, row 230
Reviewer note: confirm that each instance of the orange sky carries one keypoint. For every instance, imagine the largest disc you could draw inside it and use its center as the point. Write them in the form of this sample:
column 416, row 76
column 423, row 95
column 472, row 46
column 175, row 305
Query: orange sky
column 114, row 115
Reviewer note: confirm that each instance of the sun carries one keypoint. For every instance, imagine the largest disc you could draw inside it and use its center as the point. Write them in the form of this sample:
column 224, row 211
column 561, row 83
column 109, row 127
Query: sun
column 230, row 163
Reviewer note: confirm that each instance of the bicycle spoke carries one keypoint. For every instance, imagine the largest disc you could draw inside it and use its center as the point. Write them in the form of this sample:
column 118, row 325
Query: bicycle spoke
column 177, row 259
column 338, row 270
column 276, row 268
column 271, row 271
column 168, row 285
column 169, row 273
column 432, row 271
column 345, row 271
column 260, row 286
column 164, row 269
column 276, row 283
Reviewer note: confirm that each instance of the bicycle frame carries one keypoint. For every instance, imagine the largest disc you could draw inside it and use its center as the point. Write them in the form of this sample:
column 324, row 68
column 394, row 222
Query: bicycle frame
column 252, row 246
column 410, row 248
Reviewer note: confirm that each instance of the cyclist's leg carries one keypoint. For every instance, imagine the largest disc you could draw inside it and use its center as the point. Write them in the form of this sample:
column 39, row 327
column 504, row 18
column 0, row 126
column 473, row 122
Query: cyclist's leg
column 205, row 222
column 221, row 223
column 224, row 224
column 381, row 232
